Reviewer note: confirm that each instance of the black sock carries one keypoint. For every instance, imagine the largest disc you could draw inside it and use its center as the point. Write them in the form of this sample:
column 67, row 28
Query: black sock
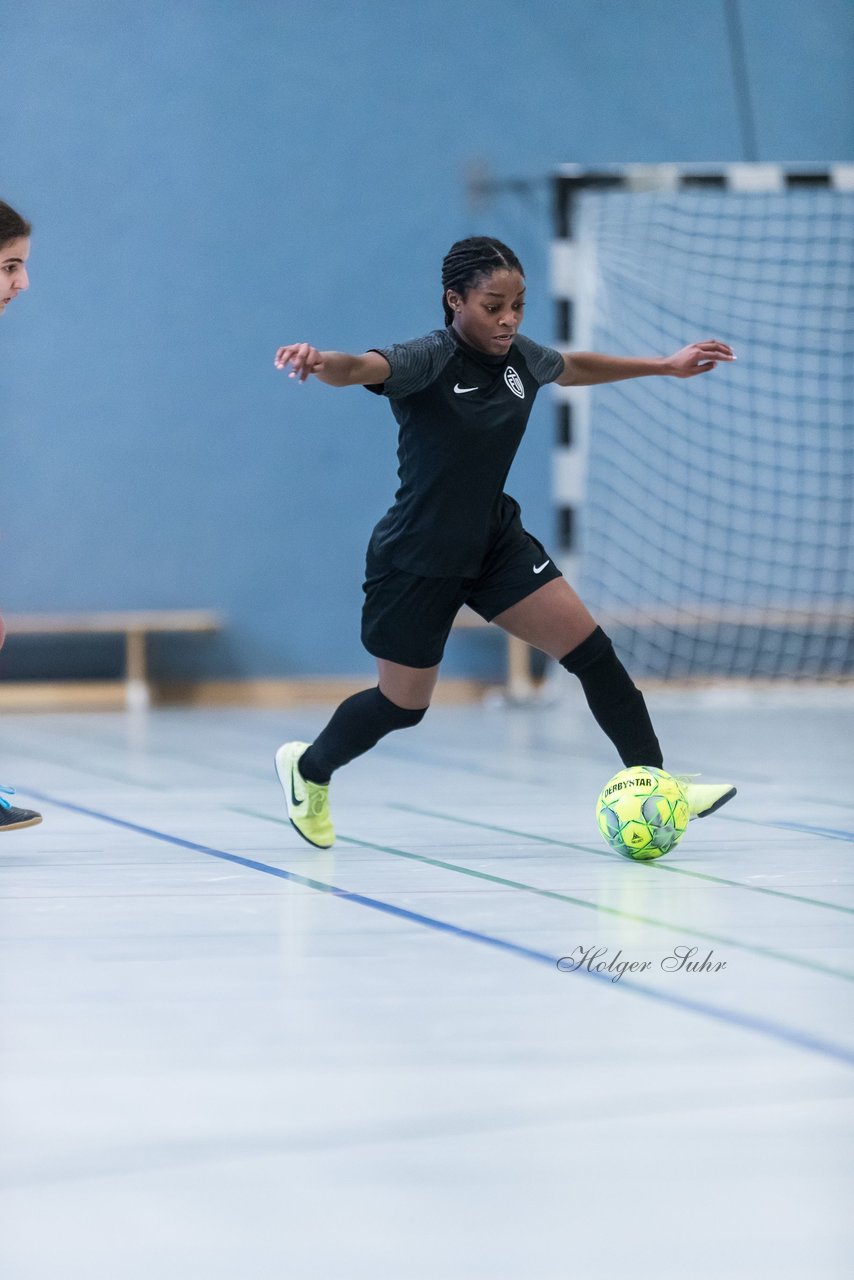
column 618, row 707
column 355, row 727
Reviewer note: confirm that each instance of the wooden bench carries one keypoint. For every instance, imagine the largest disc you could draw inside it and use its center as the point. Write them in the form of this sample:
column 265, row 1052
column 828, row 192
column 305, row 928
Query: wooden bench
column 521, row 687
column 134, row 626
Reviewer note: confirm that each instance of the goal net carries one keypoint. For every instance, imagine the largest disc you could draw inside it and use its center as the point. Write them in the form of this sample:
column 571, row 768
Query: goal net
column 708, row 521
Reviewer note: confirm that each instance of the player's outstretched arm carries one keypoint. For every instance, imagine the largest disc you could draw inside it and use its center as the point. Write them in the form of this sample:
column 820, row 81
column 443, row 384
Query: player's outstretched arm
column 335, row 368
column 590, row 368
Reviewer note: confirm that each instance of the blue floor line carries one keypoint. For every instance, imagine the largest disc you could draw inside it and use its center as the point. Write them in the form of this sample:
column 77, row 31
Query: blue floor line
column 833, row 833
column 777, row 1031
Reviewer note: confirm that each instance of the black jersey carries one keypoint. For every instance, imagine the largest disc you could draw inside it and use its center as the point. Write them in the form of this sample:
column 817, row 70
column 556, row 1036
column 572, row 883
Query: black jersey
column 462, row 415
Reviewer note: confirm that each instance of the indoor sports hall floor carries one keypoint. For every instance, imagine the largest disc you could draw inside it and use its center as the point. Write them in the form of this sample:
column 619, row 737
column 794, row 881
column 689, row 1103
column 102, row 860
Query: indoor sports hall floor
column 225, row 1055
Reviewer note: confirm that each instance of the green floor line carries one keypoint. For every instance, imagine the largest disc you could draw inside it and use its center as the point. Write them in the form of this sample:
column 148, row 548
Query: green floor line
column 553, row 894
column 653, row 863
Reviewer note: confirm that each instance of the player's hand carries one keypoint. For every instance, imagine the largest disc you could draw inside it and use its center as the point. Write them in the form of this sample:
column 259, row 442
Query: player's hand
column 303, row 358
column 699, row 357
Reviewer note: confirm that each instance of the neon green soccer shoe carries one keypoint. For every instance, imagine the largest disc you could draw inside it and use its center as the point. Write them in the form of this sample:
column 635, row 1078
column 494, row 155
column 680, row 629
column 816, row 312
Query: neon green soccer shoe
column 308, row 802
column 704, row 797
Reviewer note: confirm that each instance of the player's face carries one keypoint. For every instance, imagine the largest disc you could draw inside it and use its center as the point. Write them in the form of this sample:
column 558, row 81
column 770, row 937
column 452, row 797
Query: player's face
column 13, row 269
column 489, row 315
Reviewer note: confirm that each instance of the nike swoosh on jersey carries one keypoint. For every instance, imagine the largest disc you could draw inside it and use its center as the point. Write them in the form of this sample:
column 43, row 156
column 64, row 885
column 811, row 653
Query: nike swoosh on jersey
column 462, row 391
column 539, row 568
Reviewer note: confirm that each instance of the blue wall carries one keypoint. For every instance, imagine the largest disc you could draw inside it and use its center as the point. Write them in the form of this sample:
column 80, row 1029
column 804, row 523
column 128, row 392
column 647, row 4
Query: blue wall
column 210, row 179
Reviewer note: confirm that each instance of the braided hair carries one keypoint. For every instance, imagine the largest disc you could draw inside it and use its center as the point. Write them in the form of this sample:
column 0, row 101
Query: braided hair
column 469, row 261
column 12, row 225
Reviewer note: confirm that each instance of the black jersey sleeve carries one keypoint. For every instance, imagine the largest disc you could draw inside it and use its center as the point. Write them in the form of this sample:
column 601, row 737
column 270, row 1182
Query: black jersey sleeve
column 544, row 363
column 414, row 365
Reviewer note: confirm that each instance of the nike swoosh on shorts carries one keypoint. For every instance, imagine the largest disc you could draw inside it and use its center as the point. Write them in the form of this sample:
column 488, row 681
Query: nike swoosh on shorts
column 539, row 568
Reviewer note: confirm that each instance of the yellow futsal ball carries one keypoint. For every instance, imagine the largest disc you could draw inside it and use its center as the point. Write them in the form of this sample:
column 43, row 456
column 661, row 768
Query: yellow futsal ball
column 642, row 812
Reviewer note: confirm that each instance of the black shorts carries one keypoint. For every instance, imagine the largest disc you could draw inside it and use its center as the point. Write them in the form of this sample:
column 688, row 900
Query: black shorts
column 407, row 619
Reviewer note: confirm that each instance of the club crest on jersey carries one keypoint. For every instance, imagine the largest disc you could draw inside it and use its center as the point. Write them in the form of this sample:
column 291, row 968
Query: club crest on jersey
column 514, row 382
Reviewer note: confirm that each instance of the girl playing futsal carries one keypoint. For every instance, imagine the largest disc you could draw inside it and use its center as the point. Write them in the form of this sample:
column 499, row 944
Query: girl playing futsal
column 462, row 396
column 14, row 251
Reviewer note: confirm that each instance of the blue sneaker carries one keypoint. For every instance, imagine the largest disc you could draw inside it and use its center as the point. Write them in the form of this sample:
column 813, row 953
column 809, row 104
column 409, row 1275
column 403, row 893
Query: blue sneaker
column 12, row 819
